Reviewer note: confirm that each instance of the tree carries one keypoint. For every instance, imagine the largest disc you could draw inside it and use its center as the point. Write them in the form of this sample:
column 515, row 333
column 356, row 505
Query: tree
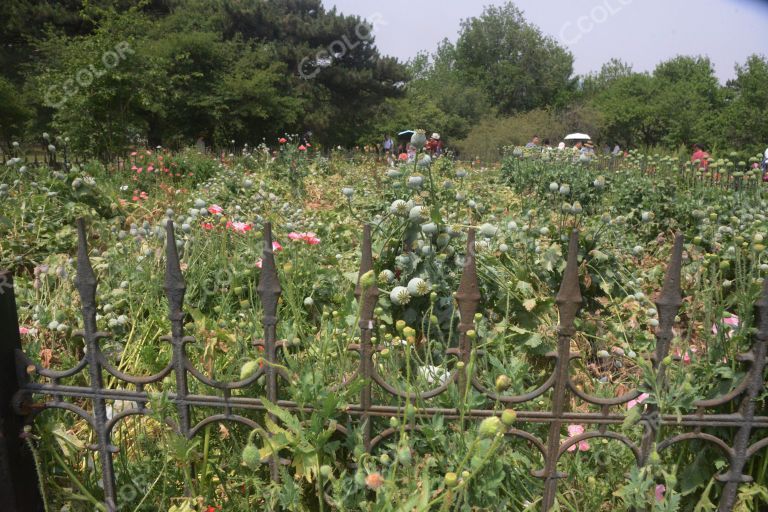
column 512, row 61
column 687, row 100
column 14, row 113
column 594, row 83
column 744, row 120
column 332, row 61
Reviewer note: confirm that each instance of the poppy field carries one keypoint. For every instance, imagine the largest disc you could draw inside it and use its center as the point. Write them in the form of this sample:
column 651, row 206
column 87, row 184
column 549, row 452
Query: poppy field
column 626, row 210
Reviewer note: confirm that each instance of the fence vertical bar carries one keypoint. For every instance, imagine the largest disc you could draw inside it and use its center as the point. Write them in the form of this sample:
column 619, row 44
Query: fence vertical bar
column 86, row 286
column 175, row 288
column 366, row 297
column 18, row 479
column 269, row 292
column 468, row 298
column 756, row 359
column 568, row 302
column 667, row 305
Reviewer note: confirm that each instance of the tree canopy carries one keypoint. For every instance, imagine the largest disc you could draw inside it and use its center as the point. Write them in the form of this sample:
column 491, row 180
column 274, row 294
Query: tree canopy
column 113, row 73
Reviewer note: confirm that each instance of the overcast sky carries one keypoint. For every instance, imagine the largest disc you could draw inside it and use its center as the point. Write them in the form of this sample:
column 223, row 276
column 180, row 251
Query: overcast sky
column 641, row 32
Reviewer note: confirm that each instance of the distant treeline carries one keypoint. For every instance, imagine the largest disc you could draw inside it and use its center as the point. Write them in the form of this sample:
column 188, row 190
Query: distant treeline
column 113, row 73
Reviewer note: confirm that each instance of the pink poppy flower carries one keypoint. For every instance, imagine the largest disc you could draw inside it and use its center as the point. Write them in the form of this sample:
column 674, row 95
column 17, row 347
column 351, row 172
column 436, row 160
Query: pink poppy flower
column 577, row 430
column 660, row 490
column 23, row 330
column 215, row 209
column 134, row 168
column 258, row 263
column 133, row 154
column 640, row 399
column 282, row 140
column 731, row 322
column 276, row 247
column 309, row 237
column 207, row 225
column 686, row 357
column 239, row 227
column 302, row 148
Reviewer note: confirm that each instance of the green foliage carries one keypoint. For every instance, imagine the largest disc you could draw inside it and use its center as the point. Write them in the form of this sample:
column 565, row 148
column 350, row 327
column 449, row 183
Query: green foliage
column 517, row 66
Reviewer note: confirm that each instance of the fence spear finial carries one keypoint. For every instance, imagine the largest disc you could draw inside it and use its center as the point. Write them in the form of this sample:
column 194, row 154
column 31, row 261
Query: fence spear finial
column 175, row 287
column 569, row 287
column 269, row 283
column 85, row 280
column 468, row 294
column 670, row 295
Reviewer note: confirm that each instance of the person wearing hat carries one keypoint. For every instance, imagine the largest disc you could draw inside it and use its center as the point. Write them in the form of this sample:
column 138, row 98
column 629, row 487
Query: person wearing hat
column 435, row 145
column 588, row 147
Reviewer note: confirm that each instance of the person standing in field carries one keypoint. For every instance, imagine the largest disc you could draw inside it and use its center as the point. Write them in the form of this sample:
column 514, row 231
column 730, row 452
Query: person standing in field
column 535, row 142
column 700, row 155
column 765, row 160
column 388, row 144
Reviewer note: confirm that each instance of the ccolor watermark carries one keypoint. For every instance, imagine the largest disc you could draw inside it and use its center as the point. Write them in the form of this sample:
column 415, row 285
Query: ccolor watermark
column 310, row 67
column 57, row 95
column 572, row 31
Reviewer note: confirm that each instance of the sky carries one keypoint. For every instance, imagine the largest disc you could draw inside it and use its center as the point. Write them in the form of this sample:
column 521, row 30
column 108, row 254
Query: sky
column 640, row 32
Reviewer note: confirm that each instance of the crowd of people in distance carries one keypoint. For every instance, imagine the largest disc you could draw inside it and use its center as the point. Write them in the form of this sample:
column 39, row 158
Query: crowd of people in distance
column 406, row 152
column 583, row 149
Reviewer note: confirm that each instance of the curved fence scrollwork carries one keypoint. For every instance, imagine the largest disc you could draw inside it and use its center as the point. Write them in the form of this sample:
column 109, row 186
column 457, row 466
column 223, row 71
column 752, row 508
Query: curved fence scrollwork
column 26, row 388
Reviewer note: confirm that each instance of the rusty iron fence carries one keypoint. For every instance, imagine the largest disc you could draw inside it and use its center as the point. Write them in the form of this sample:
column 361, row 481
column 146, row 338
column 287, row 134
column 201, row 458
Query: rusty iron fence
column 26, row 388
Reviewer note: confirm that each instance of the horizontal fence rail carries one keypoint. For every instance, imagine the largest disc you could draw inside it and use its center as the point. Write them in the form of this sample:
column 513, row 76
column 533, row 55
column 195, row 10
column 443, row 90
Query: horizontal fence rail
column 24, row 383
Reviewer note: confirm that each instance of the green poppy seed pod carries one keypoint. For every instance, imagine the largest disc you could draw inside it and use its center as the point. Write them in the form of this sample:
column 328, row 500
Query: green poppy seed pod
column 326, row 471
column 400, row 325
column 248, row 369
column 489, row 427
column 451, row 479
column 418, row 139
column 399, row 296
column 404, row 456
column 394, row 422
column 508, row 417
column 503, row 383
column 654, row 458
column 418, row 287
column 386, row 276
column 554, row 187
column 368, row 279
column 429, row 228
column 251, row 456
column 410, row 412
column 488, row 230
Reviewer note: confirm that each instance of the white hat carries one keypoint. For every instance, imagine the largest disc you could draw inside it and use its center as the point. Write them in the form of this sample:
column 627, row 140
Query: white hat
column 436, row 136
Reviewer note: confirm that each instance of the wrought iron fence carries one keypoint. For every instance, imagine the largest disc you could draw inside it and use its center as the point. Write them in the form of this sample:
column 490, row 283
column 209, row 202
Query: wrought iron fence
column 23, row 383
